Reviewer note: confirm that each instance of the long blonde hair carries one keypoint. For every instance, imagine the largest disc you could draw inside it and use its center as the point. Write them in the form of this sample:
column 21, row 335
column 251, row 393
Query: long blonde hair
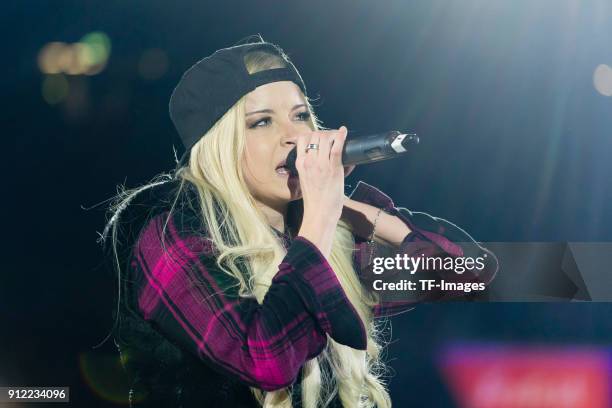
column 250, row 252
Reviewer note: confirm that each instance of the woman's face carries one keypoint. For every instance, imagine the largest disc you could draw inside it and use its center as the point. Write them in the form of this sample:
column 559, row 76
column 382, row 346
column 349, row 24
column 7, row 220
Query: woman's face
column 275, row 114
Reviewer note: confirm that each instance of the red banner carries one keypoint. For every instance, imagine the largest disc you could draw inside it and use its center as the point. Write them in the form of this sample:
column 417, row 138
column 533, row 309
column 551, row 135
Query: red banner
column 512, row 377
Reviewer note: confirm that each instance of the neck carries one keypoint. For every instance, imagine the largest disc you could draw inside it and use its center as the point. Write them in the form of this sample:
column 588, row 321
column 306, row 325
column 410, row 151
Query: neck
column 275, row 216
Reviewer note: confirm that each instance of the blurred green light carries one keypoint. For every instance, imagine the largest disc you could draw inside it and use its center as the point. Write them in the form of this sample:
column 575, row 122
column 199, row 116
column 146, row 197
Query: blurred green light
column 99, row 46
column 54, row 89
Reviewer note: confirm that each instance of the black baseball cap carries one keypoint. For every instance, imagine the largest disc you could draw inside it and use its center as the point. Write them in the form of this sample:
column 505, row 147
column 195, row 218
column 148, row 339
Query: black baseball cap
column 215, row 83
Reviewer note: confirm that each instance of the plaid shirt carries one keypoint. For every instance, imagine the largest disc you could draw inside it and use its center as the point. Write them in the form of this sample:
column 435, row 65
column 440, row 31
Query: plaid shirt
column 186, row 297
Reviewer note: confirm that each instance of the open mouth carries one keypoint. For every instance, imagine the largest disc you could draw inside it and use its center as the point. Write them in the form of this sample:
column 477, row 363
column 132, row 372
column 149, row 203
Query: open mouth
column 282, row 169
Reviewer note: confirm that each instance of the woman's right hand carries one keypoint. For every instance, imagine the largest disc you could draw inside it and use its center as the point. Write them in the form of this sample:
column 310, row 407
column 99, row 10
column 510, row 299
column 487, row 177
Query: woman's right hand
column 321, row 177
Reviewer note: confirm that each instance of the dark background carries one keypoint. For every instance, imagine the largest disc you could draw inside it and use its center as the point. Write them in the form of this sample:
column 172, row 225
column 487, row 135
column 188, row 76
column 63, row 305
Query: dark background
column 515, row 146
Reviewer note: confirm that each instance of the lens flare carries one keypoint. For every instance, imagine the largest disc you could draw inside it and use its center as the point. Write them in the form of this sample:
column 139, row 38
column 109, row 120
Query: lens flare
column 106, row 377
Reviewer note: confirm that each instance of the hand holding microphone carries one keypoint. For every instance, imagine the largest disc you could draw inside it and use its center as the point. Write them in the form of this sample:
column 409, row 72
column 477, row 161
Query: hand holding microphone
column 368, row 149
column 321, row 177
column 320, row 159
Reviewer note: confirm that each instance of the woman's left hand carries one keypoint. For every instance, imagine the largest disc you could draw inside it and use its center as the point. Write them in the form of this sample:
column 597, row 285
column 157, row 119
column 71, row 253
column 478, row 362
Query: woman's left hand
column 361, row 217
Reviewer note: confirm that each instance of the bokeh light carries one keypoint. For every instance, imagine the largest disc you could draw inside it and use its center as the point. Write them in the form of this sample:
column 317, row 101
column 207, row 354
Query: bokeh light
column 99, row 46
column 50, row 57
column 55, row 88
column 153, row 64
column 86, row 57
column 602, row 79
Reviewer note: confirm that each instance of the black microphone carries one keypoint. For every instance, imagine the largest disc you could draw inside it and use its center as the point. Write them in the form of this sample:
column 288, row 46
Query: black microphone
column 368, row 149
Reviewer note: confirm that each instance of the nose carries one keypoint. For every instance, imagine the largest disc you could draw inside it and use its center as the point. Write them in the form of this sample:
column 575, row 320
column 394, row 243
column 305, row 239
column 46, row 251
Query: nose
column 289, row 135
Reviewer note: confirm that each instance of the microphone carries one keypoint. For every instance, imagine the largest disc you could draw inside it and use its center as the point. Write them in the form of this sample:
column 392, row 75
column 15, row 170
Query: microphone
column 368, row 149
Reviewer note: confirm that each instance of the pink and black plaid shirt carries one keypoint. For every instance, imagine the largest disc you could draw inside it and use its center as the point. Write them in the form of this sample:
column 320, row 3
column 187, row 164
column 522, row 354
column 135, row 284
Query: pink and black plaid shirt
column 180, row 291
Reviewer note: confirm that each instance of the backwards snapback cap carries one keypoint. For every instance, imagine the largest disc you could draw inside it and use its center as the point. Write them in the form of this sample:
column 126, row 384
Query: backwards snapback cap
column 215, row 83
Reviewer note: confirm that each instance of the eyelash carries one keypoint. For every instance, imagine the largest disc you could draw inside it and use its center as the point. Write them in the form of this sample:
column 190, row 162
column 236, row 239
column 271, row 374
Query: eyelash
column 304, row 115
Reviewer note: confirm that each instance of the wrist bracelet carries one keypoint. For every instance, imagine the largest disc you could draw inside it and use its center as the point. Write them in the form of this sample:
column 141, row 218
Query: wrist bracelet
column 371, row 240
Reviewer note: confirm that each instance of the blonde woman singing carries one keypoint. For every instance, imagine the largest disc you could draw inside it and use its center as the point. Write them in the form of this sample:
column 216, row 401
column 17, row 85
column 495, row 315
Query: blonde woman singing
column 240, row 284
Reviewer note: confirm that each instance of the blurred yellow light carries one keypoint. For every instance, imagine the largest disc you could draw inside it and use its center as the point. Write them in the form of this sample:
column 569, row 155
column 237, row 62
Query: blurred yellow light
column 54, row 88
column 72, row 65
column 89, row 56
column 49, row 57
column 602, row 79
column 84, row 57
column 66, row 58
column 96, row 69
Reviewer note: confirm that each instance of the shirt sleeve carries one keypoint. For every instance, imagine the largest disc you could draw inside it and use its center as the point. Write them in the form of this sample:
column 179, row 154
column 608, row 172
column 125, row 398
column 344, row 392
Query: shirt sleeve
column 181, row 291
column 430, row 237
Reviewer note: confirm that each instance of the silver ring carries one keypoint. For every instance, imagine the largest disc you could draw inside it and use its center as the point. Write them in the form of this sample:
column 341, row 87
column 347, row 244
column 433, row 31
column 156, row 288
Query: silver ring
column 313, row 146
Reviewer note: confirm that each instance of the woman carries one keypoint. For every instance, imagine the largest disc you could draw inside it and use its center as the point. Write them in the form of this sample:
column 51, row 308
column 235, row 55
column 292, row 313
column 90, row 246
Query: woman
column 242, row 285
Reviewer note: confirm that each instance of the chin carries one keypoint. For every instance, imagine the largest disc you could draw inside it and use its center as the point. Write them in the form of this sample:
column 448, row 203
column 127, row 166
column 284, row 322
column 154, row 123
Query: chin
column 289, row 196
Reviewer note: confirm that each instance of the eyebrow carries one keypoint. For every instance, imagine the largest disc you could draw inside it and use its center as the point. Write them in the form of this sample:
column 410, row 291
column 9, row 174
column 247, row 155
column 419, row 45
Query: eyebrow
column 271, row 111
